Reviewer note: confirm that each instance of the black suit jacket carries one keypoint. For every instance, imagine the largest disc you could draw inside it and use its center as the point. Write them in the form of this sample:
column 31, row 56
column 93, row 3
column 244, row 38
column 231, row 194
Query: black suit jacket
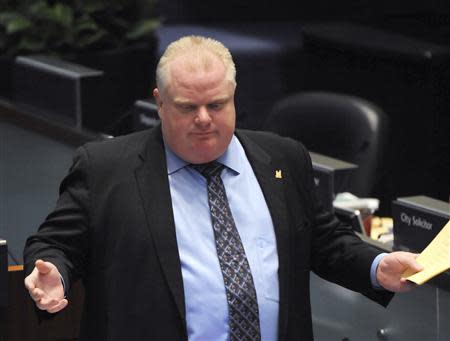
column 113, row 227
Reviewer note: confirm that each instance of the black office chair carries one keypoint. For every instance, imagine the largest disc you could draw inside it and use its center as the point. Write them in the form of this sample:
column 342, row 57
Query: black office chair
column 344, row 127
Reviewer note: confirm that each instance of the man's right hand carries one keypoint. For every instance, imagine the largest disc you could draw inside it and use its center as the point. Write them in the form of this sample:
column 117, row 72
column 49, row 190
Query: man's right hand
column 45, row 287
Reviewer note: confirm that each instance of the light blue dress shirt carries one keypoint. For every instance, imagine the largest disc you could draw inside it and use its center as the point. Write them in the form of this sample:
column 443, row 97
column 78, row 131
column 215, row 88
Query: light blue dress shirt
column 205, row 298
column 204, row 290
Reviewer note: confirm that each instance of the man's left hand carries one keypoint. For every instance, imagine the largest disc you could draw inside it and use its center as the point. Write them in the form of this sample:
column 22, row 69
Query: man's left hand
column 391, row 268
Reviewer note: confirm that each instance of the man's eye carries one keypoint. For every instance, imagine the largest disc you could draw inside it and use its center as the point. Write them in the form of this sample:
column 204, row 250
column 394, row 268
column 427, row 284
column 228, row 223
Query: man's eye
column 186, row 107
column 215, row 106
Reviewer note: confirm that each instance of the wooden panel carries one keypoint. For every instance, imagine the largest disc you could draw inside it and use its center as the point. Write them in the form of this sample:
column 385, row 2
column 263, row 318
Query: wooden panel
column 21, row 321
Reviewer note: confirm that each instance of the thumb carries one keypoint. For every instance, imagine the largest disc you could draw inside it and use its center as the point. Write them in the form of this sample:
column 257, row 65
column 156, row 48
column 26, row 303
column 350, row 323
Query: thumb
column 412, row 262
column 43, row 267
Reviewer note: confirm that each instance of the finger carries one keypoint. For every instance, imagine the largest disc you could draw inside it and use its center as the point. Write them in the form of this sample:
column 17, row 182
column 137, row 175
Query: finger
column 37, row 294
column 41, row 306
column 43, row 267
column 416, row 266
column 411, row 262
column 59, row 306
column 405, row 260
column 46, row 303
column 407, row 285
column 35, row 298
column 29, row 282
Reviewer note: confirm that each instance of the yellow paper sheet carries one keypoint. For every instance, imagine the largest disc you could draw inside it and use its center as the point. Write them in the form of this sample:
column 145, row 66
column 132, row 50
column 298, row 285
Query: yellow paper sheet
column 435, row 258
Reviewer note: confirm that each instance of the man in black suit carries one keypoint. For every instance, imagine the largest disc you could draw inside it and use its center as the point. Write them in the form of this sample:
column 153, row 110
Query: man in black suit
column 195, row 230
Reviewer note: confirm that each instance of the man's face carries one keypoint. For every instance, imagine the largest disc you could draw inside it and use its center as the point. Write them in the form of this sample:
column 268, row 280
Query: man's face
column 197, row 111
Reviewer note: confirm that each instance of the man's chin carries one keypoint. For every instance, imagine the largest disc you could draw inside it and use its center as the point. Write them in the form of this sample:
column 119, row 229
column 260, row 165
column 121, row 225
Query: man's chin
column 204, row 159
column 205, row 155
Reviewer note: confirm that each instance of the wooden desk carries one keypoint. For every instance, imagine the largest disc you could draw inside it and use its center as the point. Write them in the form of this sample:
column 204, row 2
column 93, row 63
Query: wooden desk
column 20, row 322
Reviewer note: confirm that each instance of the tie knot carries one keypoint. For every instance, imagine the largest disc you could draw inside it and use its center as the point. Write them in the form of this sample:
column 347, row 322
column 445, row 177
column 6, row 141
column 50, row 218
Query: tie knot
column 208, row 170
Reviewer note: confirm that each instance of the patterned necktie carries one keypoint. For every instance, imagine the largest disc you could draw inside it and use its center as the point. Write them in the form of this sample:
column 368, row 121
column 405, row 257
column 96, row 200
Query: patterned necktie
column 240, row 290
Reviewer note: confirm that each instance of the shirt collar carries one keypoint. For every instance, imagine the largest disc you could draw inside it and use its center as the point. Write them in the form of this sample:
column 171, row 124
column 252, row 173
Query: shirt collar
column 232, row 158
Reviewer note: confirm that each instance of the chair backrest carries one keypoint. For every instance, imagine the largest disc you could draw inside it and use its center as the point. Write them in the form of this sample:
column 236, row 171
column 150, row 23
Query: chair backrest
column 341, row 126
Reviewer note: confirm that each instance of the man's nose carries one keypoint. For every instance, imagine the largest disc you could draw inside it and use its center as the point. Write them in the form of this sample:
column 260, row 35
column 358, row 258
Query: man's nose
column 203, row 116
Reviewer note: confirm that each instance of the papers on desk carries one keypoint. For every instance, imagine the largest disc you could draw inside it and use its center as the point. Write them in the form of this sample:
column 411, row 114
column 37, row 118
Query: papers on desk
column 347, row 200
column 435, row 258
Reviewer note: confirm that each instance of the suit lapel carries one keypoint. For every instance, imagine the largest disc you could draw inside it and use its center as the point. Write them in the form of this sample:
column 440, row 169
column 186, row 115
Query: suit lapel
column 272, row 188
column 154, row 189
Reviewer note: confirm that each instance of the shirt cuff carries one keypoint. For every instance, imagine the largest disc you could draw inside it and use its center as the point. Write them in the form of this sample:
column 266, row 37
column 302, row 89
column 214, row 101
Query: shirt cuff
column 64, row 285
column 373, row 271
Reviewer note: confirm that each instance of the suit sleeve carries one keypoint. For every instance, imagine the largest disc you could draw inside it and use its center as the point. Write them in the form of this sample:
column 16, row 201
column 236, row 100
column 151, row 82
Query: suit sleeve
column 337, row 253
column 62, row 238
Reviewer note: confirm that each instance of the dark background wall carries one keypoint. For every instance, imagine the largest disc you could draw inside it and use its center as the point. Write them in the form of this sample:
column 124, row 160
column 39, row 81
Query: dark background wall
column 394, row 53
column 269, row 10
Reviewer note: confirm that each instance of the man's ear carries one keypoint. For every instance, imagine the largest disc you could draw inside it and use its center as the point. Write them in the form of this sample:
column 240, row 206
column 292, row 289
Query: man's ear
column 158, row 100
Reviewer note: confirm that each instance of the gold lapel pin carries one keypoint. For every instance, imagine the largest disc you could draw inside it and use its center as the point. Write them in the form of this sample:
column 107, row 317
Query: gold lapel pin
column 278, row 174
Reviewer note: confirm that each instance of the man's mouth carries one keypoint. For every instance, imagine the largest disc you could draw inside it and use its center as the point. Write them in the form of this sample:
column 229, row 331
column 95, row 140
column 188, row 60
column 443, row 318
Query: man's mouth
column 203, row 133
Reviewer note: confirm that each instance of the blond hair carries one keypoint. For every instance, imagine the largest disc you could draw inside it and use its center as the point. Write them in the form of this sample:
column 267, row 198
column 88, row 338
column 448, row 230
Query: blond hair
column 197, row 48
